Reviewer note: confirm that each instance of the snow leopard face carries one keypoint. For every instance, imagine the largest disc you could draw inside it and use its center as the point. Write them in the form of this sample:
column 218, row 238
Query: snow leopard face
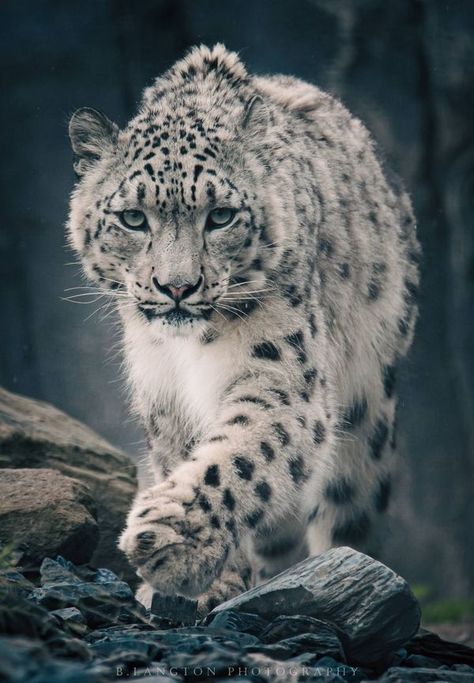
column 168, row 209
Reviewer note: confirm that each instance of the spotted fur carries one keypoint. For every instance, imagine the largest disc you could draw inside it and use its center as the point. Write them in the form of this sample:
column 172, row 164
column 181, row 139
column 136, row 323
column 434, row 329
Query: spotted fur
column 268, row 393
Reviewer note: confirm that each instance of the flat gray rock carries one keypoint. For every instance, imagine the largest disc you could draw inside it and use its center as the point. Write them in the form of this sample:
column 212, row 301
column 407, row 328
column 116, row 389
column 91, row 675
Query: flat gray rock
column 373, row 607
column 45, row 513
column 35, row 434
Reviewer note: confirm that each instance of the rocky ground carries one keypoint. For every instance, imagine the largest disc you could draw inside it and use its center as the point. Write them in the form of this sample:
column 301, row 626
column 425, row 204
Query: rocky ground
column 63, row 497
column 70, row 624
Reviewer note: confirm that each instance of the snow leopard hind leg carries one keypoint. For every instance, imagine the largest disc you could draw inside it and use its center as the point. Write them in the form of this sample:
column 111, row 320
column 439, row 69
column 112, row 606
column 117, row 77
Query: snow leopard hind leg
column 352, row 507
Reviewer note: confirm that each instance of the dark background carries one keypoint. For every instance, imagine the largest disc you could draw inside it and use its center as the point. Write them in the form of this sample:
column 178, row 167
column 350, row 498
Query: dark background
column 405, row 67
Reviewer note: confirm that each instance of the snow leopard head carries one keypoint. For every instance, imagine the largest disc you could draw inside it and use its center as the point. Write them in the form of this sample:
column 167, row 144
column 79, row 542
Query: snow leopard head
column 171, row 210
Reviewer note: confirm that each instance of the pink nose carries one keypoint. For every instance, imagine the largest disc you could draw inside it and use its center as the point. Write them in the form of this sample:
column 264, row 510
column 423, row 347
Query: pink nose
column 177, row 293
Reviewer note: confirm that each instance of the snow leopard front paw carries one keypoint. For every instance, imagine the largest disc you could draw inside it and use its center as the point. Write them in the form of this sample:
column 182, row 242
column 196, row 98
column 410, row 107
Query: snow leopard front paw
column 171, row 542
column 227, row 586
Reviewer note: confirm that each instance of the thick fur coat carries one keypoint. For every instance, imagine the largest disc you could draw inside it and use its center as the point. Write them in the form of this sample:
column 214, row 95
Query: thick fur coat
column 266, row 274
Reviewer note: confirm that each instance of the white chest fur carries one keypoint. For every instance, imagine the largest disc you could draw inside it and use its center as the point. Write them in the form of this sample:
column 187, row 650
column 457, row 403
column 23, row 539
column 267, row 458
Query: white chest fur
column 180, row 372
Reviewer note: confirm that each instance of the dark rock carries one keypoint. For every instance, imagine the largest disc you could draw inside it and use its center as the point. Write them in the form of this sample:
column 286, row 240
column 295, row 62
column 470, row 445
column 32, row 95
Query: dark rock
column 33, row 434
column 20, row 659
column 192, row 647
column 301, row 668
column 195, row 636
column 18, row 617
column 209, row 659
column 146, row 650
column 46, row 513
column 137, row 630
column 287, row 627
column 419, row 661
column 464, row 668
column 171, row 638
column 99, row 604
column 147, row 675
column 26, row 661
column 367, row 601
column 114, row 590
column 174, row 609
column 182, row 647
column 12, row 581
column 423, row 675
column 71, row 619
column 67, row 647
column 98, row 594
column 103, row 576
column 431, row 645
column 301, row 634
column 397, row 658
column 237, row 621
column 274, row 651
column 60, row 570
column 328, row 666
column 318, row 644
column 127, row 654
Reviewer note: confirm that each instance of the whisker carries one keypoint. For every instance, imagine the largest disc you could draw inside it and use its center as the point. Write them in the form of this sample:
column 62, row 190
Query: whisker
column 113, row 308
column 251, row 291
column 127, row 304
column 227, row 301
column 235, row 296
column 107, row 315
column 83, row 294
column 78, row 298
column 257, row 293
column 81, row 303
column 108, row 279
column 95, row 289
column 232, row 309
column 218, row 312
column 97, row 310
column 242, row 283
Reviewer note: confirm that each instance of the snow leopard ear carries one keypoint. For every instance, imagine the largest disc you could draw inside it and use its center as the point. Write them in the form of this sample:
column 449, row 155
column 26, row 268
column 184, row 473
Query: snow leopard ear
column 91, row 134
column 256, row 116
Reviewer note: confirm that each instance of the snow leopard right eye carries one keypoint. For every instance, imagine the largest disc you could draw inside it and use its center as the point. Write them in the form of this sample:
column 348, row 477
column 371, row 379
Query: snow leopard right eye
column 220, row 218
column 133, row 219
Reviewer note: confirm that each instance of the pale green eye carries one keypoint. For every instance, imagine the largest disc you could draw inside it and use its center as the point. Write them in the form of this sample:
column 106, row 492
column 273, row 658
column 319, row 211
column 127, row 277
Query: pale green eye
column 220, row 218
column 133, row 219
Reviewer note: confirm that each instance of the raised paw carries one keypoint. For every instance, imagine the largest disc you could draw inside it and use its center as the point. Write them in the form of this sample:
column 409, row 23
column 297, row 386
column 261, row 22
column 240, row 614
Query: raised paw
column 169, row 540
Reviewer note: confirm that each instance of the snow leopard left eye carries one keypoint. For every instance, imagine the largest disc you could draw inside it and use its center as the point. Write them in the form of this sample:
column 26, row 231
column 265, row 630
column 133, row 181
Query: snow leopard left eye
column 220, row 218
column 133, row 219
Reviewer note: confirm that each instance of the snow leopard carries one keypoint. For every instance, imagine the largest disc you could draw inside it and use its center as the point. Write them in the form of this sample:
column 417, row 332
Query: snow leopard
column 265, row 271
